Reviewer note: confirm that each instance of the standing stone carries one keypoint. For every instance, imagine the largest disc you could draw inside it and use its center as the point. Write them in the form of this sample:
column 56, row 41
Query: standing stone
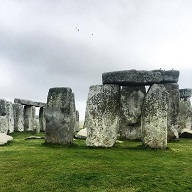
column 36, row 125
column 130, row 112
column 18, row 113
column 59, row 116
column 42, row 121
column 154, row 117
column 102, row 115
column 3, row 117
column 173, row 111
column 74, row 112
column 29, row 118
column 185, row 113
column 77, row 128
column 10, row 117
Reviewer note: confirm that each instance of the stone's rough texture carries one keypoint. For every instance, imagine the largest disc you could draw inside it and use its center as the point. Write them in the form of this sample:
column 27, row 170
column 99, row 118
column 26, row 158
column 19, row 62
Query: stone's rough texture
column 102, row 115
column 59, row 116
column 170, row 76
column 29, row 118
column 3, row 117
column 132, row 77
column 74, row 112
column 30, row 103
column 186, row 133
column 36, row 125
column 10, row 117
column 42, row 121
column 173, row 111
column 184, row 93
column 130, row 112
column 82, row 134
column 154, row 117
column 5, row 138
column 18, row 117
column 185, row 114
column 77, row 121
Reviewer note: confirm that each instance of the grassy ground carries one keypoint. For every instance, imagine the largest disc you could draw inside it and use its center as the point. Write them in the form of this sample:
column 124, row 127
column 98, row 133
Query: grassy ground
column 31, row 165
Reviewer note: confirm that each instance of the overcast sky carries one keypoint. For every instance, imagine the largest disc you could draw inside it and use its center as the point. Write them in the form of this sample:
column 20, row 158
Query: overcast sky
column 70, row 43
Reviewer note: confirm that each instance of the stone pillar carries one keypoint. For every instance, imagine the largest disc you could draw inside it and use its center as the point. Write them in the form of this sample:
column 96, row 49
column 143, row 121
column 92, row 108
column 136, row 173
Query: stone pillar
column 154, row 117
column 173, row 111
column 3, row 117
column 130, row 112
column 29, row 117
column 18, row 117
column 74, row 112
column 42, row 122
column 77, row 128
column 59, row 116
column 10, row 117
column 185, row 110
column 102, row 115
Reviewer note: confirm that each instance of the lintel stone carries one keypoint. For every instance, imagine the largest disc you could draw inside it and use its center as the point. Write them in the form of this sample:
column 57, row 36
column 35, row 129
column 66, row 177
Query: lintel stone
column 30, row 103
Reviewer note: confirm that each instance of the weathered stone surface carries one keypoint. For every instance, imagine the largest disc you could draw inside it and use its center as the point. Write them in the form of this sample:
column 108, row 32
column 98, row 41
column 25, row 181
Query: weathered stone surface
column 3, row 116
column 82, row 134
column 132, row 77
column 30, row 103
column 130, row 112
column 184, row 93
column 186, row 133
column 29, row 118
column 77, row 128
column 102, row 115
column 173, row 111
column 4, row 138
column 169, row 76
column 36, row 125
column 74, row 112
column 18, row 112
column 185, row 114
column 42, row 121
column 154, row 117
column 59, row 116
column 10, row 117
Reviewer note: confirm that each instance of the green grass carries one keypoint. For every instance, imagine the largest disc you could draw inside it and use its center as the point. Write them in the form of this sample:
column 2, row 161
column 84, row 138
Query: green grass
column 32, row 165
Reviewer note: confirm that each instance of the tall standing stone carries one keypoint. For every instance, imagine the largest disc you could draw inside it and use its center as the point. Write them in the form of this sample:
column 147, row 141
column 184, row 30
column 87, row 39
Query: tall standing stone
column 77, row 128
column 3, row 116
column 10, row 117
column 29, row 117
column 42, row 121
column 130, row 112
column 154, row 117
column 18, row 113
column 173, row 111
column 102, row 115
column 59, row 116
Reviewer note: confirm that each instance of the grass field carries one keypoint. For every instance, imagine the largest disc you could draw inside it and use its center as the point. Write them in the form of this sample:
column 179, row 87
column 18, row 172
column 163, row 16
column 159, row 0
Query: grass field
column 32, row 165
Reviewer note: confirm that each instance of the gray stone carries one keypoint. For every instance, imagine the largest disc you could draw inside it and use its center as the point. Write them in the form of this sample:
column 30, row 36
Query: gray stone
column 77, row 127
column 28, row 102
column 130, row 112
column 169, row 76
column 42, row 121
column 82, row 134
column 36, row 125
column 186, row 133
column 3, row 116
column 132, row 77
column 173, row 111
column 59, row 116
column 102, row 115
column 154, row 117
column 18, row 117
column 185, row 93
column 29, row 118
column 10, row 117
column 185, row 114
column 4, row 138
column 74, row 112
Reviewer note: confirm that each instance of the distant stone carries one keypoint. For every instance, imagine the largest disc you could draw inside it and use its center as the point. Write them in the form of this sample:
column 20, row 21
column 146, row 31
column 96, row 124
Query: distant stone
column 186, row 133
column 29, row 118
column 59, row 116
column 4, row 128
column 102, row 115
column 4, row 138
column 18, row 117
column 77, row 126
column 34, row 137
column 132, row 77
column 130, row 112
column 10, row 117
column 169, row 76
column 30, row 103
column 185, row 93
column 154, row 117
column 82, row 134
column 42, row 121
column 173, row 111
